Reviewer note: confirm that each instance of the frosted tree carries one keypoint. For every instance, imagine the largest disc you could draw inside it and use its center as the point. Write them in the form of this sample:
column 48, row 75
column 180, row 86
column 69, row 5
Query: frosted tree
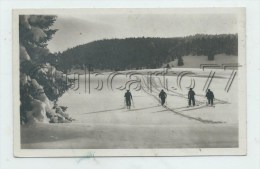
column 40, row 83
column 180, row 61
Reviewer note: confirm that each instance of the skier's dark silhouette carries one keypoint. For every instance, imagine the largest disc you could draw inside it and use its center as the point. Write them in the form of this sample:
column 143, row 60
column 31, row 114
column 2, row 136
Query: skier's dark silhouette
column 210, row 97
column 163, row 96
column 191, row 97
column 128, row 98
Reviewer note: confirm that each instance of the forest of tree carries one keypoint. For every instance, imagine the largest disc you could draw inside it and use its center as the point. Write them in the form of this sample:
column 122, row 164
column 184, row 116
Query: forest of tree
column 137, row 53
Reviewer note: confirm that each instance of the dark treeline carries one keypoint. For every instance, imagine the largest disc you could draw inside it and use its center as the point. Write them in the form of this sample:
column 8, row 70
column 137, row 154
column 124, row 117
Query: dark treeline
column 137, row 53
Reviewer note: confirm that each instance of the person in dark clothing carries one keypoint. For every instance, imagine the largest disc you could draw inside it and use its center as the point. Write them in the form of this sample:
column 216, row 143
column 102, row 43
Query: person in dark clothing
column 191, row 97
column 162, row 96
column 128, row 98
column 210, row 97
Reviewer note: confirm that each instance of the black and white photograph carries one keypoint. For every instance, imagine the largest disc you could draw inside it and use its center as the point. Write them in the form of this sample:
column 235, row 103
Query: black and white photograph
column 129, row 82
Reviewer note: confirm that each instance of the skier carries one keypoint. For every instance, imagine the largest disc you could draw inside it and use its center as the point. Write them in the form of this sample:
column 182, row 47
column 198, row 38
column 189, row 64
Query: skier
column 210, row 97
column 162, row 96
column 128, row 98
column 191, row 97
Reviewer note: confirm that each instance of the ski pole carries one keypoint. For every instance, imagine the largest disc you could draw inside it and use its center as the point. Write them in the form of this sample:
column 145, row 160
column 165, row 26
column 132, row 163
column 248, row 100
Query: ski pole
column 133, row 103
column 125, row 103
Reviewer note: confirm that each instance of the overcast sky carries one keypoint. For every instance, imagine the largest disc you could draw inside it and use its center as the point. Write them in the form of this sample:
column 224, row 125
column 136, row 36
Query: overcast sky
column 79, row 29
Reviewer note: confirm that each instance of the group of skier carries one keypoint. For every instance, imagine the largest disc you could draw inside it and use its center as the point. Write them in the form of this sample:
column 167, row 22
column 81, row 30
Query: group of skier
column 209, row 96
column 162, row 95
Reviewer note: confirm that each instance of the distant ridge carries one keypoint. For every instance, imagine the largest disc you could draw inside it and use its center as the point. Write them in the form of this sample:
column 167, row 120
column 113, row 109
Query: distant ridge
column 138, row 53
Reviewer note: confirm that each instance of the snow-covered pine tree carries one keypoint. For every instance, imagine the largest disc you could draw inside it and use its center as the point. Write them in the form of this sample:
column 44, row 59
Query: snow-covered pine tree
column 40, row 83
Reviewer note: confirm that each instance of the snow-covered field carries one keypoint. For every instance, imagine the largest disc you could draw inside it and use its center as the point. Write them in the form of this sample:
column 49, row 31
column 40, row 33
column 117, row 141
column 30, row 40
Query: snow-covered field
column 102, row 120
column 195, row 61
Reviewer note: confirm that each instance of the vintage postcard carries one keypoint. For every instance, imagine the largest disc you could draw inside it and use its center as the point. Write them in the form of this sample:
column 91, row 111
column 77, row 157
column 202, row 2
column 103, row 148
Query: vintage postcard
column 129, row 82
